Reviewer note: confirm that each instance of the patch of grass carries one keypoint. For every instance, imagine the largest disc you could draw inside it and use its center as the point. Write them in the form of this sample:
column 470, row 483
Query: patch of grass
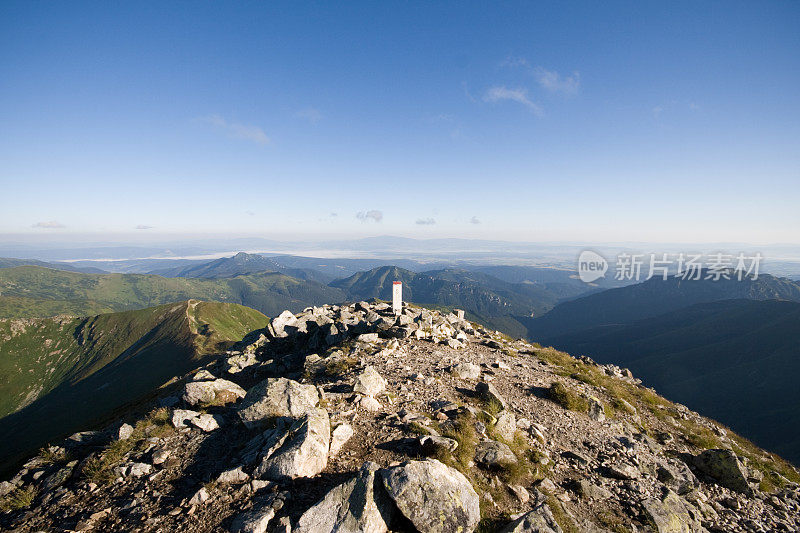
column 698, row 435
column 493, row 407
column 612, row 522
column 492, row 524
column 156, row 424
column 418, row 429
column 53, row 454
column 339, row 366
column 562, row 519
column 19, row 498
column 776, row 470
column 567, row 398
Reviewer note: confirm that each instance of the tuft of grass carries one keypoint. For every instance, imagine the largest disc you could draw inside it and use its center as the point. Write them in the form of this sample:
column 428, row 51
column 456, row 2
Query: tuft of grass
column 339, row 366
column 100, row 469
column 53, row 454
column 466, row 436
column 19, row 498
column 562, row 519
column 567, row 398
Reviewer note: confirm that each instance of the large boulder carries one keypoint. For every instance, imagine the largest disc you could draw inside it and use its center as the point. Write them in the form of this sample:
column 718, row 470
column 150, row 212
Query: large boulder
column 359, row 505
column 487, row 392
column 218, row 392
column 670, row 514
column 369, row 382
column 469, row 371
column 277, row 397
column 538, row 520
column 433, row 496
column 280, row 322
column 300, row 452
column 725, row 468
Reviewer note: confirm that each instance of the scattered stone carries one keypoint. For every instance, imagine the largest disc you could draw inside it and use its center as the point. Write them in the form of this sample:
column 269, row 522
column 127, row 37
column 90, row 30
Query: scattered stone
column 670, row 514
column 488, row 392
column 124, row 432
column 140, row 469
column 206, row 422
column 200, row 497
column 468, row 371
column 277, row 397
column 217, row 392
column 369, row 383
column 182, row 417
column 724, row 467
column 432, row 444
column 433, row 496
column 596, row 410
column 538, row 520
column 370, row 404
column 234, row 475
column 161, row 456
column 339, row 437
column 506, row 425
column 303, row 451
column 358, row 505
column 256, row 521
column 492, row 454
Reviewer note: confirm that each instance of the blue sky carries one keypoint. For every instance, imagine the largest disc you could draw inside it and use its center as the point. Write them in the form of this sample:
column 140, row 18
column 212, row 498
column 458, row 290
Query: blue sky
column 584, row 121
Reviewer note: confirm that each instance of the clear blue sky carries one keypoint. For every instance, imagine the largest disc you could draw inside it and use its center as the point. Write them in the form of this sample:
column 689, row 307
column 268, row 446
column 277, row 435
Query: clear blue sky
column 648, row 121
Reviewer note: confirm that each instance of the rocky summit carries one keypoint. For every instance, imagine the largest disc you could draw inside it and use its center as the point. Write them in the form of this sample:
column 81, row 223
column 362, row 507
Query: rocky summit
column 351, row 419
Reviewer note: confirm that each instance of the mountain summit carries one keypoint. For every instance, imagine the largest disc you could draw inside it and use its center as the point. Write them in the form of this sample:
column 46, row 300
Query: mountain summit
column 349, row 418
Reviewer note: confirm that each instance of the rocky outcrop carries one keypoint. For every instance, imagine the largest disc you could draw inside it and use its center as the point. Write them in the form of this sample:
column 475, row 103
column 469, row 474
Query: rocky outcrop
column 395, row 390
column 275, row 397
column 434, row 497
column 358, row 505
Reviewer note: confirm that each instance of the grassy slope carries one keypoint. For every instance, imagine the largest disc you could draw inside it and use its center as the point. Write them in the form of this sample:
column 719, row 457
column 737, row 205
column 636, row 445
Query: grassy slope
column 733, row 360
column 33, row 291
column 70, row 373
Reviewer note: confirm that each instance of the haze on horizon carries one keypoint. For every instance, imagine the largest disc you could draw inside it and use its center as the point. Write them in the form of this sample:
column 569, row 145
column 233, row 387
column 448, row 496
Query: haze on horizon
column 538, row 123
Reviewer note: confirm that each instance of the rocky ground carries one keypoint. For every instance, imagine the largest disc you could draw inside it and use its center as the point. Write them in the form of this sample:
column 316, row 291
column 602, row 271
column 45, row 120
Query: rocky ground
column 348, row 418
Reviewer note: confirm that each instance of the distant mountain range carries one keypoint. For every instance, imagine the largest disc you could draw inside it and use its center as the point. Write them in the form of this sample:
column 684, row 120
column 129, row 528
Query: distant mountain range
column 9, row 262
column 58, row 375
column 31, row 291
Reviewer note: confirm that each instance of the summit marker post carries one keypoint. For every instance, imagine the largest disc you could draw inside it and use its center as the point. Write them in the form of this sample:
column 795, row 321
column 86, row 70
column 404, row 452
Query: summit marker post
column 397, row 297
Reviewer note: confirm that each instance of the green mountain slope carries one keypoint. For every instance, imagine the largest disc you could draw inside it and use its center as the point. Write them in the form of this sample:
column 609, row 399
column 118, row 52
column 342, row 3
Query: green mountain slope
column 10, row 262
column 488, row 299
column 29, row 291
column 734, row 360
column 651, row 298
column 60, row 374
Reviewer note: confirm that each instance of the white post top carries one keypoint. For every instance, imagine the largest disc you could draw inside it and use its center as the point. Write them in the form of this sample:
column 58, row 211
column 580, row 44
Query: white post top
column 397, row 297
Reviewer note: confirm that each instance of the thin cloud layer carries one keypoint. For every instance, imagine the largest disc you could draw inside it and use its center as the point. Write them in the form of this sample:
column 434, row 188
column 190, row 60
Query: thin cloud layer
column 238, row 131
column 372, row 215
column 310, row 114
column 144, row 226
column 518, row 95
column 556, row 83
column 474, row 220
column 50, row 224
column 425, row 222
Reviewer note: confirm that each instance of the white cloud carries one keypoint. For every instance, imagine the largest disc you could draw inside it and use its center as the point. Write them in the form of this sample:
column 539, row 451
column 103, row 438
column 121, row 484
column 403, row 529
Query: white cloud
column 50, row 224
column 556, row 83
column 657, row 110
column 425, row 222
column 519, row 95
column 310, row 114
column 474, row 220
column 373, row 215
column 239, row 131
column 514, row 62
column 143, row 226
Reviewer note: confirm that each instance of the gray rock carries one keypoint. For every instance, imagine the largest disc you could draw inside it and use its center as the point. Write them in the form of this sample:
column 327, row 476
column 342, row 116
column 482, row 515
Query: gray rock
column 339, row 437
column 677, row 476
column 302, row 452
column 358, row 505
column 590, row 491
column 724, row 467
column 124, row 432
column 488, row 392
column 256, row 521
column 370, row 404
column 161, row 456
column 432, row 444
column 506, row 425
column 59, row 477
column 368, row 337
column 140, row 469
column 280, row 322
column 538, row 520
column 469, row 371
column 182, row 417
column 206, row 422
column 233, row 475
column 670, row 514
column 219, row 392
column 596, row 410
column 620, row 471
column 433, row 496
column 493, row 454
column 277, row 397
column 200, row 497
column 369, row 382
